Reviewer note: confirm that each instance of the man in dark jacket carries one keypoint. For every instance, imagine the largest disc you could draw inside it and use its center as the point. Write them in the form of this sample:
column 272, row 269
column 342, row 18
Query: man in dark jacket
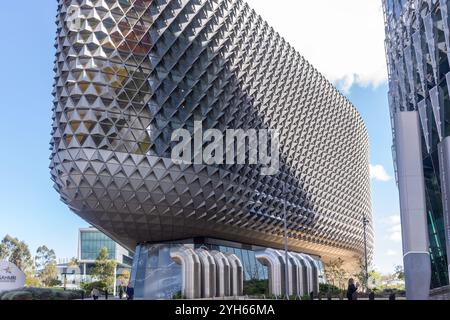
column 351, row 290
column 130, row 292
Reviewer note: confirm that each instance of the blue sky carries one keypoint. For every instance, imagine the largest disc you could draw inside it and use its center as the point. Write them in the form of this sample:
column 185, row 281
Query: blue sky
column 30, row 208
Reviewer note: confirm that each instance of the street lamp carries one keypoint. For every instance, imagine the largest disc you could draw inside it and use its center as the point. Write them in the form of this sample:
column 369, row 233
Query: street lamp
column 365, row 222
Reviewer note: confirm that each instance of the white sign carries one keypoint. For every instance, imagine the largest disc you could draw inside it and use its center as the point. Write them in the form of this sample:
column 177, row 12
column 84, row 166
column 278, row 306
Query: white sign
column 11, row 277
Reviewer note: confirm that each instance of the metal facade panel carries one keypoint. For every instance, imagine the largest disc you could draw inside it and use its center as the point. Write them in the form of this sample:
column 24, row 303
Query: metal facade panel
column 130, row 72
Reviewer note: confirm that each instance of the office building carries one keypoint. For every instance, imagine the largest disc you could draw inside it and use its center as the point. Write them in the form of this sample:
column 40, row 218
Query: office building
column 90, row 242
column 418, row 46
column 130, row 73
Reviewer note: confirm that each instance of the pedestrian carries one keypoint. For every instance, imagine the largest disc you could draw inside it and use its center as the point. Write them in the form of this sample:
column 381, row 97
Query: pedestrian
column 95, row 293
column 372, row 295
column 130, row 292
column 351, row 290
column 120, row 292
column 106, row 294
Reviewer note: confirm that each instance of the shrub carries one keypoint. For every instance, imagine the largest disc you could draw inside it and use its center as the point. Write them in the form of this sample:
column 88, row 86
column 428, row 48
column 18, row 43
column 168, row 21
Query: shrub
column 178, row 296
column 55, row 283
column 41, row 294
column 17, row 295
column 87, row 287
column 306, row 297
column 256, row 287
column 329, row 288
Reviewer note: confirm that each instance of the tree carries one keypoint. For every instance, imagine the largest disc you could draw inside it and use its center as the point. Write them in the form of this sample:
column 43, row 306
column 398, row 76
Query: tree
column 49, row 274
column 361, row 275
column 44, row 256
column 32, row 280
column 124, row 278
column 17, row 252
column 399, row 272
column 45, row 262
column 73, row 263
column 374, row 279
column 104, row 269
column 335, row 273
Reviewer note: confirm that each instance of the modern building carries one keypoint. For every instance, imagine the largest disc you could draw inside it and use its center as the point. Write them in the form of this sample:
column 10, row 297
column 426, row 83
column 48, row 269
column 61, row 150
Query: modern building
column 418, row 47
column 129, row 73
column 90, row 242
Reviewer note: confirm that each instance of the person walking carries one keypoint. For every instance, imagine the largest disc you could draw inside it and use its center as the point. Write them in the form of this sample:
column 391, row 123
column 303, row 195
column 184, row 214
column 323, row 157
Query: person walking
column 130, row 292
column 120, row 292
column 95, row 293
column 351, row 290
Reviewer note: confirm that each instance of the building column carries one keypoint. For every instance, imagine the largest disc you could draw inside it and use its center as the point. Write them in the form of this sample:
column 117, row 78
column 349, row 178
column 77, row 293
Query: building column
column 208, row 273
column 411, row 185
column 270, row 259
column 236, row 276
column 306, row 280
column 191, row 273
column 444, row 166
column 223, row 282
column 115, row 281
column 295, row 285
column 315, row 275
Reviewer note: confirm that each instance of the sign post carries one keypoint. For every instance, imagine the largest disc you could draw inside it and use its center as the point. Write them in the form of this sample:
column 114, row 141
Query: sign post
column 11, row 277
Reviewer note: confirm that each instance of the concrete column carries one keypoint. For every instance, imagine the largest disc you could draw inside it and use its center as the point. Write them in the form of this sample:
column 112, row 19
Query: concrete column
column 208, row 273
column 314, row 274
column 411, row 186
column 190, row 269
column 236, row 275
column 307, row 274
column 222, row 274
column 115, row 281
column 282, row 258
column 270, row 259
column 444, row 166
column 296, row 274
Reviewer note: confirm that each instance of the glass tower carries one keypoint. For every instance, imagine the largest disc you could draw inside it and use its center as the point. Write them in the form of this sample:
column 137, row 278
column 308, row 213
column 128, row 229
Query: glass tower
column 417, row 46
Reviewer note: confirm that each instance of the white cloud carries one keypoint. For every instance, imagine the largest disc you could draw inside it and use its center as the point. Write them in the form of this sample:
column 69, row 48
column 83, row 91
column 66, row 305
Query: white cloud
column 343, row 39
column 393, row 229
column 391, row 253
column 378, row 173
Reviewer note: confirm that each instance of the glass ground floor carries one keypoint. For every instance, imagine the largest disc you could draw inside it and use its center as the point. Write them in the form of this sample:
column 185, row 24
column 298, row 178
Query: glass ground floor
column 156, row 275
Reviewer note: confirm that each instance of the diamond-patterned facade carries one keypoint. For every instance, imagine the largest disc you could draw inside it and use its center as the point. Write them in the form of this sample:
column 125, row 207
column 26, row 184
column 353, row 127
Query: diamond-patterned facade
column 136, row 70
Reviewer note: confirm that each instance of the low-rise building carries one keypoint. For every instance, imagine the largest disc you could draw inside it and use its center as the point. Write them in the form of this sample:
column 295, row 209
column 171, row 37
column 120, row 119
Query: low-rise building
column 90, row 242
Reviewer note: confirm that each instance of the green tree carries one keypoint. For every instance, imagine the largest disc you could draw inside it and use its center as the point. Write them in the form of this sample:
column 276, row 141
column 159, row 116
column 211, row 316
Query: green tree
column 73, row 263
column 17, row 252
column 335, row 273
column 44, row 256
column 374, row 279
column 399, row 272
column 104, row 269
column 32, row 280
column 49, row 275
column 361, row 275
column 124, row 278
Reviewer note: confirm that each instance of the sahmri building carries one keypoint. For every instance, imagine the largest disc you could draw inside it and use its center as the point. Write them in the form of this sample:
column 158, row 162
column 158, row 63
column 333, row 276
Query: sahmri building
column 131, row 72
column 418, row 55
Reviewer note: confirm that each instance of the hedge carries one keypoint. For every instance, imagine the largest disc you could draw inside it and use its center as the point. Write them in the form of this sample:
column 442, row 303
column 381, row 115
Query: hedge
column 41, row 294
